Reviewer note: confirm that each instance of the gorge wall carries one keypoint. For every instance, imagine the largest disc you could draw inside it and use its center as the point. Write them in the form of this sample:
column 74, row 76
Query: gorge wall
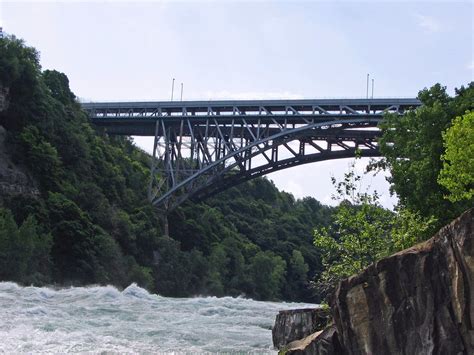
column 4, row 102
column 417, row 301
column 14, row 179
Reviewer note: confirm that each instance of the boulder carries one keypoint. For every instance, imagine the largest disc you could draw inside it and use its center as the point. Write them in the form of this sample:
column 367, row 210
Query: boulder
column 324, row 342
column 296, row 324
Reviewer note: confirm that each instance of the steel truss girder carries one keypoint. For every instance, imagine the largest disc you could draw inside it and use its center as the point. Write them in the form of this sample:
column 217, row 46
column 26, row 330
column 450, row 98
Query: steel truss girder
column 196, row 161
column 137, row 118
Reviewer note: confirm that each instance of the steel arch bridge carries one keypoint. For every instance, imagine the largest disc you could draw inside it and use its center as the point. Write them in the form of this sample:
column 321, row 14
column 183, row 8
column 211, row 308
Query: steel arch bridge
column 203, row 147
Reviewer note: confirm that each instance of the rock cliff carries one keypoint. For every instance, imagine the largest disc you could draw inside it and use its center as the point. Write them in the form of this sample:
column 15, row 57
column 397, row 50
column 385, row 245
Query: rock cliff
column 4, row 92
column 418, row 301
column 13, row 179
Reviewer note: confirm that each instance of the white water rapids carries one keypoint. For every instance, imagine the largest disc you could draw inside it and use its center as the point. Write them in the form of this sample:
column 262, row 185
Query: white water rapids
column 104, row 320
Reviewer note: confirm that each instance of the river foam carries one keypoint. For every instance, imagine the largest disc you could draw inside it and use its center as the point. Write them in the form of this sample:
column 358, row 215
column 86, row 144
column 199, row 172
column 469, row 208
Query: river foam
column 104, row 319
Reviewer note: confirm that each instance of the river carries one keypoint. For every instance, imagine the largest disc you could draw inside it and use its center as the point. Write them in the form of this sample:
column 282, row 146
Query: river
column 104, row 319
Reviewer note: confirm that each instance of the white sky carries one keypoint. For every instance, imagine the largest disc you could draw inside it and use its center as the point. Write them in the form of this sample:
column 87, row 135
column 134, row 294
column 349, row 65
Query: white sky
column 126, row 50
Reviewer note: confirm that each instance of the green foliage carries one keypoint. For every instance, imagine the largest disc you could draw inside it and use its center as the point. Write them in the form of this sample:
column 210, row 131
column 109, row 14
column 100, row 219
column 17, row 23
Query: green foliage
column 359, row 237
column 18, row 63
column 267, row 271
column 41, row 157
column 412, row 147
column 298, row 267
column 178, row 273
column 141, row 275
column 362, row 233
column 297, row 280
column 20, row 75
column 24, row 250
column 409, row 228
column 457, row 175
column 250, row 240
column 218, row 262
column 58, row 83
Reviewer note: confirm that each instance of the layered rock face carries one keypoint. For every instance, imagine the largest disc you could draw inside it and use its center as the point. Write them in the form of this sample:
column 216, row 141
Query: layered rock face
column 418, row 301
column 13, row 179
column 4, row 91
column 324, row 342
column 296, row 324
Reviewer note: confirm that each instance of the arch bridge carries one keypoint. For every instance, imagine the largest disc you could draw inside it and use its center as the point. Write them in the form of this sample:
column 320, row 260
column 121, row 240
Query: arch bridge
column 203, row 147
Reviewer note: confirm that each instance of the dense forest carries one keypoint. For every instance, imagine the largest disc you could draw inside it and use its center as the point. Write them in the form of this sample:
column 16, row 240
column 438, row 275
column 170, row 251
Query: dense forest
column 86, row 218
column 92, row 223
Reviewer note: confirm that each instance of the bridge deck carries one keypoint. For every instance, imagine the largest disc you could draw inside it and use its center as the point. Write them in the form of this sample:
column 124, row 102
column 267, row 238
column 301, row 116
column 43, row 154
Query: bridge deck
column 137, row 118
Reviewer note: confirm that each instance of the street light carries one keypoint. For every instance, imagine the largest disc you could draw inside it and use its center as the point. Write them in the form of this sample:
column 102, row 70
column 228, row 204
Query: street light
column 172, row 90
column 367, row 94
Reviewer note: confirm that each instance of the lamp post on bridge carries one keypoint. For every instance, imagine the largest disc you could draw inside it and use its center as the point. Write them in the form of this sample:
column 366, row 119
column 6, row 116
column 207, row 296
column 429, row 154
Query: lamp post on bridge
column 172, row 90
column 367, row 92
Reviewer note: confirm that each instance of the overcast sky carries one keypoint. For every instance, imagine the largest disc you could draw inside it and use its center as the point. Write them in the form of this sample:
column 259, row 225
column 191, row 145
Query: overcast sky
column 126, row 50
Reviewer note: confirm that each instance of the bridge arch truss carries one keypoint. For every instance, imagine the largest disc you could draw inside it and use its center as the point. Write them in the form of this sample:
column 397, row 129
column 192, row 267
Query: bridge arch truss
column 201, row 148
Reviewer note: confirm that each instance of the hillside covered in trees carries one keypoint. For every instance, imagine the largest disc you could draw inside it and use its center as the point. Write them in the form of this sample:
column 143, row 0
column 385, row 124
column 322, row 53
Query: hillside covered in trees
column 88, row 219
column 73, row 205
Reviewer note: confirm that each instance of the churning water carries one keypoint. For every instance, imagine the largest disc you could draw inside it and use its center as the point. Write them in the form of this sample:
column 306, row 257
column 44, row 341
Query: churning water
column 104, row 319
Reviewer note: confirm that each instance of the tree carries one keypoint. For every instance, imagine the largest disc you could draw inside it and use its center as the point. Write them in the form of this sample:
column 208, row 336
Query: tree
column 457, row 174
column 296, row 283
column 267, row 271
column 20, row 74
column 41, row 157
column 362, row 232
column 24, row 250
column 359, row 236
column 412, row 146
column 218, row 262
column 58, row 83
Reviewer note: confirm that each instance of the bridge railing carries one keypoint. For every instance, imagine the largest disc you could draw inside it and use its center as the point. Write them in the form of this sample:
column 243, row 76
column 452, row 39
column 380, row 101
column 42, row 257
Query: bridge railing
column 249, row 108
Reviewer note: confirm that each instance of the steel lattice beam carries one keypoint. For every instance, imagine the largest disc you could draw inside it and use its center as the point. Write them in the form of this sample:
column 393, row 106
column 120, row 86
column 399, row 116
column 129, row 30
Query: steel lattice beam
column 201, row 148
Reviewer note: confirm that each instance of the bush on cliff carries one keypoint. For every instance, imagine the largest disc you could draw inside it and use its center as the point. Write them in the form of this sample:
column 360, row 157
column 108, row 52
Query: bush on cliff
column 457, row 175
column 362, row 233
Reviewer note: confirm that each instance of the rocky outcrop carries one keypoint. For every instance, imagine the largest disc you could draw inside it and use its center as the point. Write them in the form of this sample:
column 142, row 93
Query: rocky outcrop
column 323, row 342
column 418, row 301
column 4, row 98
column 13, row 179
column 296, row 324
